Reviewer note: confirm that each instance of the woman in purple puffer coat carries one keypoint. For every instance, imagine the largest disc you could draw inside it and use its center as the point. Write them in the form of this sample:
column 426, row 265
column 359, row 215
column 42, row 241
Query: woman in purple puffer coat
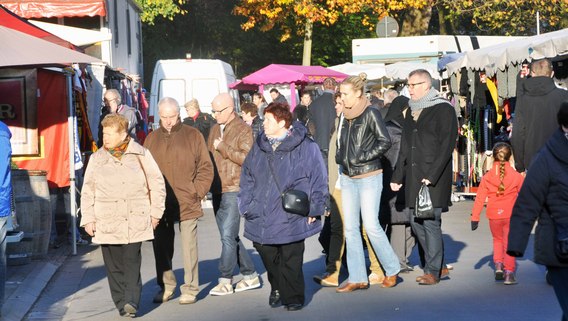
column 282, row 158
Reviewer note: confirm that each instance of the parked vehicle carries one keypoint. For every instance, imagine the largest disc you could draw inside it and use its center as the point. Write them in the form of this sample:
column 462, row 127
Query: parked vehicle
column 185, row 79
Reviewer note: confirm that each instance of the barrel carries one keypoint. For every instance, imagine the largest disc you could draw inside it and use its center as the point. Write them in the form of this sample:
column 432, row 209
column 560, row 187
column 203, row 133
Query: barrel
column 33, row 211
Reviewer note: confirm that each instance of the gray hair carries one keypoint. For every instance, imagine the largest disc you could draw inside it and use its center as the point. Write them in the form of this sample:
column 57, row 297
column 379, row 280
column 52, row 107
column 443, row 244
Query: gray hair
column 115, row 93
column 168, row 102
column 424, row 74
column 389, row 96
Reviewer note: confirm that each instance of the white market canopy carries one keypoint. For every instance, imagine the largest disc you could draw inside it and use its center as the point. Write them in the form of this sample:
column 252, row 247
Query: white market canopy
column 498, row 57
column 76, row 36
column 373, row 71
column 21, row 49
column 399, row 70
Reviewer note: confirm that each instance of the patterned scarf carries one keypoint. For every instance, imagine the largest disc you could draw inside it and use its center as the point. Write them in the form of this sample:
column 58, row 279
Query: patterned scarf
column 276, row 141
column 119, row 150
column 431, row 98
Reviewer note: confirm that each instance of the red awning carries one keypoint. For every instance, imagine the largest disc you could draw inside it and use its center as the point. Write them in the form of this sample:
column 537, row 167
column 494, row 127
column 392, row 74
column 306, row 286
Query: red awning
column 55, row 8
column 12, row 21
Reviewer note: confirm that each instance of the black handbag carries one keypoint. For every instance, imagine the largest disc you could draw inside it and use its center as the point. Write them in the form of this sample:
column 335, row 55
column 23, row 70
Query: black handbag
column 424, row 208
column 293, row 201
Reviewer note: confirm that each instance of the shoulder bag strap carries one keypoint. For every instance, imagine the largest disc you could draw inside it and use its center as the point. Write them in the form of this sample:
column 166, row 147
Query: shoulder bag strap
column 273, row 174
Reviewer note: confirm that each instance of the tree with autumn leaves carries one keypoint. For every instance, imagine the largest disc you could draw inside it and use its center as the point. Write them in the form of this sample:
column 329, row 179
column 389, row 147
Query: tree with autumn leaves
column 209, row 28
column 497, row 17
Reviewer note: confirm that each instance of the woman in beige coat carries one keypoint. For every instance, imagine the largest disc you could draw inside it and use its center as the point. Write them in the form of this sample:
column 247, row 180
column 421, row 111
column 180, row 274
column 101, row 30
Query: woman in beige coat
column 122, row 201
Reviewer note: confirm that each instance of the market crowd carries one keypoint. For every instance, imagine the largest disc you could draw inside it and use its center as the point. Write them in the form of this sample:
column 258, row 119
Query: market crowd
column 348, row 167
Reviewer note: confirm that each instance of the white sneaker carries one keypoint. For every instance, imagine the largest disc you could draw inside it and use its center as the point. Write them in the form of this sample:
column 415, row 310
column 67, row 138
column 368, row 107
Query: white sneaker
column 249, row 284
column 222, row 289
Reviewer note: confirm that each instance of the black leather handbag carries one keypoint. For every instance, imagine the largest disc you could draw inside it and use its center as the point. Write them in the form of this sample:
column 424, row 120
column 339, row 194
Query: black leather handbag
column 293, row 201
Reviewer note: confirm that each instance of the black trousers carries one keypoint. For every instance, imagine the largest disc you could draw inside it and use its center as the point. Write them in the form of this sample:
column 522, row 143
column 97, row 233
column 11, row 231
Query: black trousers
column 429, row 236
column 331, row 237
column 122, row 263
column 163, row 244
column 283, row 263
column 559, row 280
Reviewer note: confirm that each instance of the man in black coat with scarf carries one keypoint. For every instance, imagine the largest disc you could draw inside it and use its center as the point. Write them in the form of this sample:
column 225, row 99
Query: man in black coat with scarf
column 428, row 138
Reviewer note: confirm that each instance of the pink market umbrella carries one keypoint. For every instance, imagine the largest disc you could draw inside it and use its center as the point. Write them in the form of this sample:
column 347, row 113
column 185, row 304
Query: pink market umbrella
column 288, row 74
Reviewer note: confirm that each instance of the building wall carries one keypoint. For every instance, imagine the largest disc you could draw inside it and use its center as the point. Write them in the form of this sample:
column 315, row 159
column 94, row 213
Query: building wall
column 124, row 51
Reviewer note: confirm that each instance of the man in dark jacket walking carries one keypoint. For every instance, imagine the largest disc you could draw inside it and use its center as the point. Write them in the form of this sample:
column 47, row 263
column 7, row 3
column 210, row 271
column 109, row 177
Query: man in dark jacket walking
column 544, row 197
column 322, row 115
column 428, row 138
column 535, row 113
column 181, row 154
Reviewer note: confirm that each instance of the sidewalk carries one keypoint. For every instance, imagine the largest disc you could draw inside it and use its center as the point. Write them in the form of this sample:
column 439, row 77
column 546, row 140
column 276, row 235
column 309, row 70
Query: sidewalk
column 25, row 283
column 66, row 287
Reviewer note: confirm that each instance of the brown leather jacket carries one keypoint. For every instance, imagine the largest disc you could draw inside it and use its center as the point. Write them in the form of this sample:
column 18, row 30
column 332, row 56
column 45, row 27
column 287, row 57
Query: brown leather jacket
column 230, row 154
column 184, row 161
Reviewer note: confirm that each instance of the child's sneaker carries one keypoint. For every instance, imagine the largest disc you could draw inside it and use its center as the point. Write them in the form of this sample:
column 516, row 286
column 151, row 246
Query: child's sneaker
column 247, row 284
column 510, row 278
column 222, row 289
column 499, row 276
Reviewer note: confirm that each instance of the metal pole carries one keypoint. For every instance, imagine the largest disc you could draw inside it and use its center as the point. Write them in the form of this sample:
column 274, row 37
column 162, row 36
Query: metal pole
column 538, row 22
column 71, row 136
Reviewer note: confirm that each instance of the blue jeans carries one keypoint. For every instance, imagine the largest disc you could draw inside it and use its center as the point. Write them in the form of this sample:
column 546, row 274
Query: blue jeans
column 233, row 252
column 363, row 195
column 3, row 230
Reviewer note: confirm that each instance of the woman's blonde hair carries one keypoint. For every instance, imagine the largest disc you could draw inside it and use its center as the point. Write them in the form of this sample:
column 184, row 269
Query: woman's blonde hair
column 115, row 120
column 357, row 82
column 192, row 104
column 501, row 153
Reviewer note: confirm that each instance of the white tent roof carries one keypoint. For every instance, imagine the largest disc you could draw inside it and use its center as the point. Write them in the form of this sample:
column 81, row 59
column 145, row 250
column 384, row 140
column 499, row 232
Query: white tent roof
column 373, row 71
column 400, row 70
column 76, row 36
column 20, row 49
column 497, row 57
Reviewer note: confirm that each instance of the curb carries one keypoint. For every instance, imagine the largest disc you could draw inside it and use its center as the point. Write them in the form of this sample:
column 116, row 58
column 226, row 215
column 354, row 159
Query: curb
column 23, row 298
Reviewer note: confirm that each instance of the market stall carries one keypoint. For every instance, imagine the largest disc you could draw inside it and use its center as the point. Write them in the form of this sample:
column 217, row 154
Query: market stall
column 288, row 76
column 484, row 84
column 35, row 100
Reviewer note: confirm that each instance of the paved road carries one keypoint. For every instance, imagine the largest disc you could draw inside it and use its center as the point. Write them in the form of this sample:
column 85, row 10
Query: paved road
column 79, row 289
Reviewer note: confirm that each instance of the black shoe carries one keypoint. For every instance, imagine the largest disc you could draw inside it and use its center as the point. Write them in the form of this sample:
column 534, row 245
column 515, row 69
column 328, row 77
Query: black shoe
column 274, row 299
column 294, row 307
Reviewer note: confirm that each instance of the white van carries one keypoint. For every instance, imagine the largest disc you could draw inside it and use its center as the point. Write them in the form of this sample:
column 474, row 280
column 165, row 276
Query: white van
column 185, row 79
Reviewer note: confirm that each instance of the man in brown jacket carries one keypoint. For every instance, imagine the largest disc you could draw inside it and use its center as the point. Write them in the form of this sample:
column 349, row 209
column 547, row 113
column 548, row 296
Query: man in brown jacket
column 181, row 154
column 229, row 142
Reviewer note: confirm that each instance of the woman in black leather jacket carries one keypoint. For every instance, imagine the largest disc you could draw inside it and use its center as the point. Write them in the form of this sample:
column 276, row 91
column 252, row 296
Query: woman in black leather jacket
column 363, row 140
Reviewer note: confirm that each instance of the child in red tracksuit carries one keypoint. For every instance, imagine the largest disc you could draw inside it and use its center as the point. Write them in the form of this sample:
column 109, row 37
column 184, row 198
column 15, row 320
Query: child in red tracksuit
column 501, row 186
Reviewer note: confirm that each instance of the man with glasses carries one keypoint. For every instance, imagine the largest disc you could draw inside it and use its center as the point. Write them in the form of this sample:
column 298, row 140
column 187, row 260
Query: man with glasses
column 113, row 102
column 229, row 143
column 428, row 138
